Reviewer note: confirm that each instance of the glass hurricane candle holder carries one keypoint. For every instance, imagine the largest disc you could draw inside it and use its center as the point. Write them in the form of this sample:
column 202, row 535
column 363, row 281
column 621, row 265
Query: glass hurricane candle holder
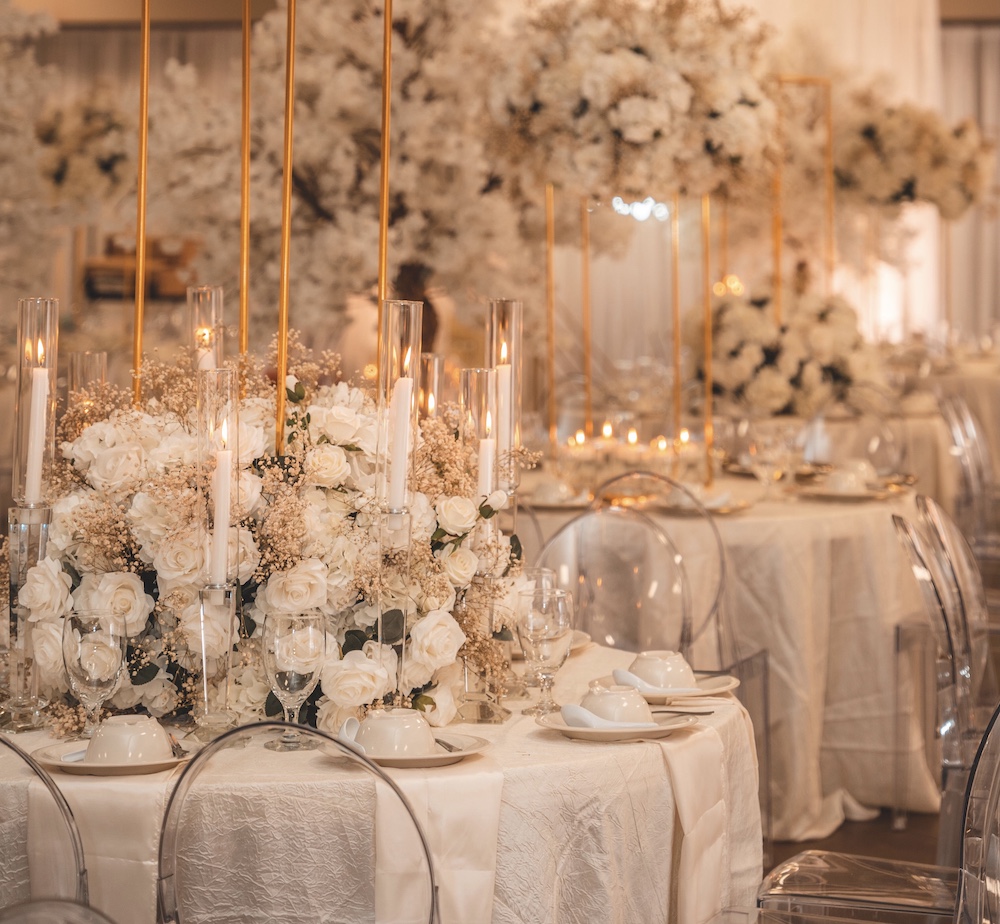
column 431, row 388
column 34, row 399
column 86, row 371
column 399, row 351
column 504, row 354
column 206, row 323
column 218, row 462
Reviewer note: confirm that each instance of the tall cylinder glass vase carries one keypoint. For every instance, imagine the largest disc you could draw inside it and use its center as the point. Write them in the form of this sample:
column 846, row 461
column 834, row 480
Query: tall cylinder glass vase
column 504, row 354
column 213, row 640
column 28, row 536
column 206, row 324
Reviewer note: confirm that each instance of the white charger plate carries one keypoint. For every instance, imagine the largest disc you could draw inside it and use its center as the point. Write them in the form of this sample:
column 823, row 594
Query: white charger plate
column 705, row 686
column 50, row 757
column 467, row 744
column 664, row 725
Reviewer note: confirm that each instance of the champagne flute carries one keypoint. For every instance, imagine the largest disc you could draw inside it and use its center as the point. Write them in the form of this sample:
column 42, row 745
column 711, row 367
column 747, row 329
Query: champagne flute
column 545, row 629
column 294, row 652
column 94, row 645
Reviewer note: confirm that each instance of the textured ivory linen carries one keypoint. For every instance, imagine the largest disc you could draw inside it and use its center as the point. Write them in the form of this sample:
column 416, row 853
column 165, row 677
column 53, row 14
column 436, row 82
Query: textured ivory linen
column 821, row 586
column 538, row 828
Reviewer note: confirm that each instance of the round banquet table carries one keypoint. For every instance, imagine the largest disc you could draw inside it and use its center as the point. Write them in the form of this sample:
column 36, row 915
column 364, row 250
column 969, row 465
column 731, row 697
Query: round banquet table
column 822, row 586
column 534, row 828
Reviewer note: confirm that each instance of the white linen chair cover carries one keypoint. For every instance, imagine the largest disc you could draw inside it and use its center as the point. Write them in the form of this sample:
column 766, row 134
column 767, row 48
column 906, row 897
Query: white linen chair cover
column 699, row 542
column 65, row 876
column 836, row 885
column 53, row 911
column 628, row 581
column 170, row 884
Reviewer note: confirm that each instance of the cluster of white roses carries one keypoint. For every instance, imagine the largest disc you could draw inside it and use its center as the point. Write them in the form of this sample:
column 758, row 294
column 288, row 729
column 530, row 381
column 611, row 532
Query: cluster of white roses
column 815, row 359
column 137, row 465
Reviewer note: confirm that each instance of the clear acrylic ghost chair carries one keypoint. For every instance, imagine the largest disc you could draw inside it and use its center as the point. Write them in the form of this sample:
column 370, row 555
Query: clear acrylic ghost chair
column 824, row 884
column 696, row 537
column 957, row 735
column 628, row 581
column 254, row 833
column 53, row 911
column 877, row 431
column 63, row 875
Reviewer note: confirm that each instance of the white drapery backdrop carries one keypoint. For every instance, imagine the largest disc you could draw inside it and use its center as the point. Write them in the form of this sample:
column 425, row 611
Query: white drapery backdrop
column 972, row 88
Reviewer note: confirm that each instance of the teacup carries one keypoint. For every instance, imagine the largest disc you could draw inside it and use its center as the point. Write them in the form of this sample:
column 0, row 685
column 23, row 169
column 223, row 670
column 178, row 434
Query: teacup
column 616, row 703
column 129, row 739
column 664, row 669
column 395, row 733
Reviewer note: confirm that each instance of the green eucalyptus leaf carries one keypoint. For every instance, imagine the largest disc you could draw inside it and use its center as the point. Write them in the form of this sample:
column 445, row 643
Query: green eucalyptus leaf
column 392, row 626
column 272, row 707
column 145, row 673
column 486, row 511
column 354, row 640
column 423, row 702
column 504, row 635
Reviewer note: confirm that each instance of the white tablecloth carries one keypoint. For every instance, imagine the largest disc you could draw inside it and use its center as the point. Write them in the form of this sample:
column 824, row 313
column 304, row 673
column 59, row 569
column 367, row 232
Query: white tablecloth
column 822, row 587
column 586, row 831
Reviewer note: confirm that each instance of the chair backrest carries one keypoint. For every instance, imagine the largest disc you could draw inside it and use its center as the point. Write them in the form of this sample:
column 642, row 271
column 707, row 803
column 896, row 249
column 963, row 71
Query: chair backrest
column 61, row 877
column 954, row 720
column 970, row 505
column 699, row 542
column 52, row 911
column 263, row 824
column 627, row 579
column 967, row 600
column 979, row 873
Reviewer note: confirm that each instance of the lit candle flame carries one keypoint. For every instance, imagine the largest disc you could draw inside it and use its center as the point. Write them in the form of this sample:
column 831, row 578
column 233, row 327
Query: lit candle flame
column 633, row 437
column 503, row 351
column 661, row 443
column 224, row 433
column 431, row 403
column 685, row 435
column 607, row 430
column 406, row 361
column 581, row 437
column 489, row 423
column 203, row 337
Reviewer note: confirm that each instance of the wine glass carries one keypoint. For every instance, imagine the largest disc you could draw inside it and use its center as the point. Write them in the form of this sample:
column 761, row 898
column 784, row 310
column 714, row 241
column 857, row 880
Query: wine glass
column 94, row 647
column 536, row 578
column 294, row 651
column 769, row 457
column 544, row 620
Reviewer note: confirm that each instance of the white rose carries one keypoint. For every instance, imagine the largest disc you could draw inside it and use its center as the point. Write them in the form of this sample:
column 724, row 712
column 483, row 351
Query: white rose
column 175, row 447
column 158, row 696
column 46, row 646
column 435, row 640
column 250, row 691
column 209, row 636
column 122, row 593
column 330, row 717
column 117, row 468
column 355, row 680
column 179, row 559
column 243, row 546
column 338, row 424
column 252, row 442
column 457, row 515
column 46, row 591
column 126, row 696
column 447, row 686
column 302, row 587
column 327, row 466
column 99, row 660
column 459, row 565
column 250, row 489
column 300, row 652
column 497, row 500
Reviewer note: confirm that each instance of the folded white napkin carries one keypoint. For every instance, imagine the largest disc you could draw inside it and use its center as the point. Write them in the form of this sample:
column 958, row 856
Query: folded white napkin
column 694, row 761
column 458, row 808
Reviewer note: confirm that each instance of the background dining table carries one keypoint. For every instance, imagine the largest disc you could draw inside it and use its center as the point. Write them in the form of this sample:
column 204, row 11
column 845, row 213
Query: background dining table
column 822, row 585
column 537, row 827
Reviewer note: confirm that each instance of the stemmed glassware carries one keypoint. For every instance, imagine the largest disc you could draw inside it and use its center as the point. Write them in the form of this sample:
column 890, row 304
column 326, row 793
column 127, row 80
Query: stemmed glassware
column 544, row 621
column 536, row 578
column 294, row 651
column 94, row 648
column 770, row 457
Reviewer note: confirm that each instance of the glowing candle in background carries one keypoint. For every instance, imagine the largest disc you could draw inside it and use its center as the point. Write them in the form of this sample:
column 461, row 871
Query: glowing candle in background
column 37, row 429
column 399, row 417
column 221, row 496
column 505, row 412
column 487, row 457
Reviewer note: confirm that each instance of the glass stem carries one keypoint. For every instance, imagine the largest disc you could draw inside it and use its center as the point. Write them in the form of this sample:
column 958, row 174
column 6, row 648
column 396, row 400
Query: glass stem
column 545, row 682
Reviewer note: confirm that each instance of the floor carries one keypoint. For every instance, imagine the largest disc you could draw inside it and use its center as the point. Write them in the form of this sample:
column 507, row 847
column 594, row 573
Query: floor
column 917, row 842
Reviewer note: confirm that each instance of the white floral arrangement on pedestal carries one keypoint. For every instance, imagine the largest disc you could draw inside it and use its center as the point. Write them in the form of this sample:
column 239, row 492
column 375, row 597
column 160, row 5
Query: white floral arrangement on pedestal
column 617, row 97
column 814, row 360
column 888, row 155
column 129, row 534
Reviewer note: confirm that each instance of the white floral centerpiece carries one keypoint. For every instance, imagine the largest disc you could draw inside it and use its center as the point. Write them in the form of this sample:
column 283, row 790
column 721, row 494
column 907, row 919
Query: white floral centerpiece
column 814, row 360
column 128, row 533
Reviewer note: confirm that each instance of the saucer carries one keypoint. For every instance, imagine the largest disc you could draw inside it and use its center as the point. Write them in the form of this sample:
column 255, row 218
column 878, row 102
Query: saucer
column 467, row 746
column 663, row 726
column 704, row 686
column 50, row 758
column 848, row 497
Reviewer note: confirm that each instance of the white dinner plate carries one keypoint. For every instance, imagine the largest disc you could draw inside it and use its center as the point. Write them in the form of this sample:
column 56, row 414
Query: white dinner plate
column 663, row 725
column 705, row 686
column 580, row 640
column 843, row 497
column 467, row 746
column 50, row 758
